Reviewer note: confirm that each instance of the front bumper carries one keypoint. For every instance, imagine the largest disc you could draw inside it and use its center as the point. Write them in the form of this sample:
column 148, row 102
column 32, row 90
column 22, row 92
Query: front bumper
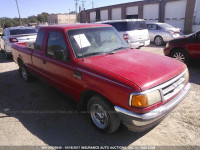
column 141, row 122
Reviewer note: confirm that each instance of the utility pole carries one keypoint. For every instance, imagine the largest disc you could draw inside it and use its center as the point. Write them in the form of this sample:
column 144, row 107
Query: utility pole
column 69, row 15
column 18, row 13
column 92, row 4
column 83, row 5
column 76, row 4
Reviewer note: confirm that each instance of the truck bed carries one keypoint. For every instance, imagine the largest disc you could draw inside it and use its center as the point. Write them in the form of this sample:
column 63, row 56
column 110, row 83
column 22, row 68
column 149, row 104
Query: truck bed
column 23, row 52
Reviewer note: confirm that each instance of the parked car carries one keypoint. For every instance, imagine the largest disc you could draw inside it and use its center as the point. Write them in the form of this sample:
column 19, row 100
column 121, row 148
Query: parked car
column 95, row 66
column 39, row 26
column 185, row 48
column 161, row 33
column 16, row 35
column 134, row 31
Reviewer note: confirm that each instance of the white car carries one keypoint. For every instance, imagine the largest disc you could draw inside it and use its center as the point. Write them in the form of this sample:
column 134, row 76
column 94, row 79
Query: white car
column 134, row 31
column 161, row 33
column 16, row 35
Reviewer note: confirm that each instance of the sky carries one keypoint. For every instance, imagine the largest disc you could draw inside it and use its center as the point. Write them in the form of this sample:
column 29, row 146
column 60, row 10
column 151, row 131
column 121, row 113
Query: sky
column 27, row 8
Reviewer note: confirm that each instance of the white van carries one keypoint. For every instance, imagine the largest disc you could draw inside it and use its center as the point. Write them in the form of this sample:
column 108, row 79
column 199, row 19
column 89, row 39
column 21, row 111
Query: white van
column 134, row 31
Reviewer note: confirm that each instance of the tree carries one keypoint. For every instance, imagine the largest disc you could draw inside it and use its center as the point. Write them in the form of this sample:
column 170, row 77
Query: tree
column 42, row 17
column 32, row 19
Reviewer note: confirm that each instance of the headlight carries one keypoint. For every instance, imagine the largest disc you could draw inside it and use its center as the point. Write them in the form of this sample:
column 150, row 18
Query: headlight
column 167, row 45
column 145, row 100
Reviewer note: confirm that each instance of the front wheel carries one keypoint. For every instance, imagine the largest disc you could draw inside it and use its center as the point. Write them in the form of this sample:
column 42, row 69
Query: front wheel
column 158, row 40
column 103, row 115
column 181, row 55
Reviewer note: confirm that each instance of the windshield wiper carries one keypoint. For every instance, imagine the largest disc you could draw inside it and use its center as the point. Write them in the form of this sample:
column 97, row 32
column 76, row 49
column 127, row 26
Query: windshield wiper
column 95, row 53
column 116, row 49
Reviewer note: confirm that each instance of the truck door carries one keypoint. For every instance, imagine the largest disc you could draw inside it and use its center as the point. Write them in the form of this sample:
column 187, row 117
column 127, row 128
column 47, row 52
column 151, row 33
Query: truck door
column 56, row 63
column 37, row 54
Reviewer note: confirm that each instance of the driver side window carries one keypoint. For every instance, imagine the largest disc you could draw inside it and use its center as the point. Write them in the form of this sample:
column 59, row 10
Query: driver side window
column 56, row 45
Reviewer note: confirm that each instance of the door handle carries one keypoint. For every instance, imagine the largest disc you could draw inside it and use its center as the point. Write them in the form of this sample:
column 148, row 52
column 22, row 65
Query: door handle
column 77, row 74
column 44, row 61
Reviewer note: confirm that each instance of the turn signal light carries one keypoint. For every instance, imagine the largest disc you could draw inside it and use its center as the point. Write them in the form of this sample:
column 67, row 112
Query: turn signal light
column 139, row 101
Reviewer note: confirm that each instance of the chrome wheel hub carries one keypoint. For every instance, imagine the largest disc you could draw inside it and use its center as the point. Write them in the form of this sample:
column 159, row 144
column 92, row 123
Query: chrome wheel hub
column 99, row 116
column 158, row 41
column 179, row 56
column 24, row 73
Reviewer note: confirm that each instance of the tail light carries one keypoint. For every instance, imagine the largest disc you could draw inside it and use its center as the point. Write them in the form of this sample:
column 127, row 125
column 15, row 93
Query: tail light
column 13, row 40
column 176, row 32
column 125, row 36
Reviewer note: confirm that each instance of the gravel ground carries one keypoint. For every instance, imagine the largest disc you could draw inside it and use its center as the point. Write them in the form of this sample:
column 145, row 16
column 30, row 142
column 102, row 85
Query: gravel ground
column 33, row 114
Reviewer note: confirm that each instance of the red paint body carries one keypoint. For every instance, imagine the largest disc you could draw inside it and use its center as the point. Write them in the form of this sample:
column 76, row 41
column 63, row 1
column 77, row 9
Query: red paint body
column 115, row 76
column 190, row 44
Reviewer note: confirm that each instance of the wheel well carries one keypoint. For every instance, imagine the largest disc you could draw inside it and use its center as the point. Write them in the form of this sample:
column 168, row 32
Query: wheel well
column 86, row 95
column 176, row 49
column 19, row 61
column 157, row 36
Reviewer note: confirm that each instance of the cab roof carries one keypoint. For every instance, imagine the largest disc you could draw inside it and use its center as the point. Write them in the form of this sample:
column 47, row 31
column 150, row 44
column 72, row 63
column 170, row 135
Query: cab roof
column 74, row 26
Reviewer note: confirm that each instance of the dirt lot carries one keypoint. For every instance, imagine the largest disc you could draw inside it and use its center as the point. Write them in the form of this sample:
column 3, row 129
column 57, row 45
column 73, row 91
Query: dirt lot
column 35, row 114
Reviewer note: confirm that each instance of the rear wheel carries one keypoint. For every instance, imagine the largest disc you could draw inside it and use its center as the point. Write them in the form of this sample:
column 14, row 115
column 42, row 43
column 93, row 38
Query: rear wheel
column 181, row 55
column 24, row 73
column 103, row 115
column 158, row 40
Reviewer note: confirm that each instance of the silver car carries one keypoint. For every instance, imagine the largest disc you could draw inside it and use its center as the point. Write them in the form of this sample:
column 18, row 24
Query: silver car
column 16, row 35
column 161, row 33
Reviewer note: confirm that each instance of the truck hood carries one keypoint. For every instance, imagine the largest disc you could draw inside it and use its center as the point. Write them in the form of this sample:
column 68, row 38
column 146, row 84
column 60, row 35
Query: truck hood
column 145, row 69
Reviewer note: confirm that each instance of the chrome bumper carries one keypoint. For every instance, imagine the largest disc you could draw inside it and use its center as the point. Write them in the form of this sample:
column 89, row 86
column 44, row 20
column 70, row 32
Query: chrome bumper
column 139, row 43
column 142, row 122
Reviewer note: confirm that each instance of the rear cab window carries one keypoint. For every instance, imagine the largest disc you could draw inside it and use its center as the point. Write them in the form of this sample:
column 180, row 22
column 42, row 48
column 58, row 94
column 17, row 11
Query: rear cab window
column 39, row 40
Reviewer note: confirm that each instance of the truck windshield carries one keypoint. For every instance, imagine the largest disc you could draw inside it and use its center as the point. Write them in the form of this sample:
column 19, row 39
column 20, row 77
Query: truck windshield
column 22, row 31
column 94, row 41
column 129, row 25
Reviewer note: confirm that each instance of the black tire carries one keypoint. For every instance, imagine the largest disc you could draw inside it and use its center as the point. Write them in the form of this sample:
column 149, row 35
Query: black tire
column 24, row 73
column 158, row 40
column 181, row 55
column 8, row 56
column 106, row 120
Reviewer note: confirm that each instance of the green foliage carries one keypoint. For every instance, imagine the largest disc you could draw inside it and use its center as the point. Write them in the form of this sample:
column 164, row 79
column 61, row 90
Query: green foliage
column 11, row 22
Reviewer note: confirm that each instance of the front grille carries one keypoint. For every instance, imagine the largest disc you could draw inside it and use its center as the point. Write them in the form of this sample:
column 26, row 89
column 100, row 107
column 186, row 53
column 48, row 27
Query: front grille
column 173, row 86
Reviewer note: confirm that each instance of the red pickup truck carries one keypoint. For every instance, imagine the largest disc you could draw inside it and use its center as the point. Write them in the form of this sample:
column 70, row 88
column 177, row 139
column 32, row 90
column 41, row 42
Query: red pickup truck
column 95, row 66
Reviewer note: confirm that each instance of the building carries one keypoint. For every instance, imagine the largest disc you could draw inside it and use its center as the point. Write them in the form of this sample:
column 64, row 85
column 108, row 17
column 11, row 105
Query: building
column 61, row 18
column 184, row 14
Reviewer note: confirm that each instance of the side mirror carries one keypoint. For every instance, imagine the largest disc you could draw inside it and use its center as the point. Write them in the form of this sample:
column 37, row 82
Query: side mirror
column 60, row 54
column 194, row 36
